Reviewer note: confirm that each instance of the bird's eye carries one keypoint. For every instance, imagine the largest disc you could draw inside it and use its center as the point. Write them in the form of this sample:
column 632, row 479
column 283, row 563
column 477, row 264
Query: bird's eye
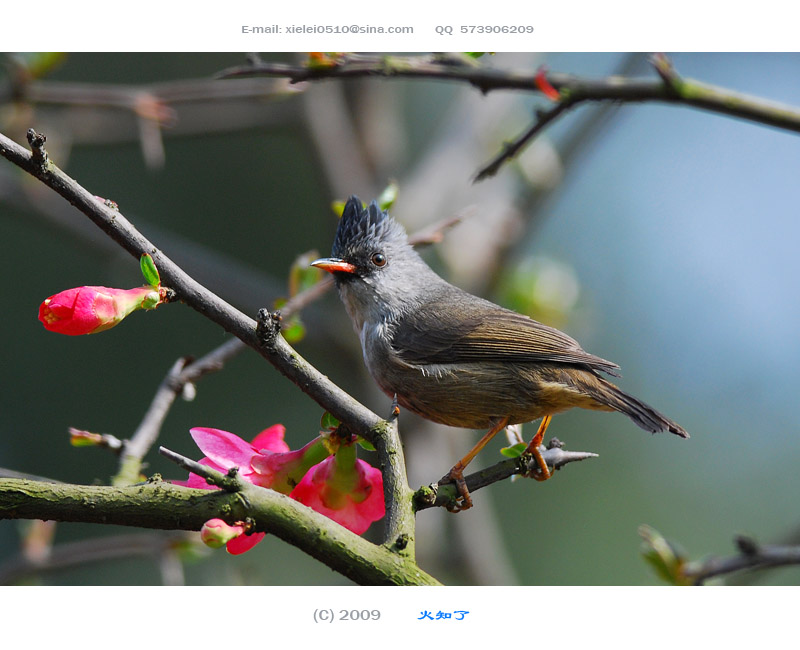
column 378, row 259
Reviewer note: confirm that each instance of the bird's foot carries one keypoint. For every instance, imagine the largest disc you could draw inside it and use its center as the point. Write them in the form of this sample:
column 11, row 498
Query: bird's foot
column 463, row 501
column 542, row 472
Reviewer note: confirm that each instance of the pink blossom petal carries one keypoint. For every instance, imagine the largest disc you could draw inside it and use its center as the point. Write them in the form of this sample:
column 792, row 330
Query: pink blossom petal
column 243, row 543
column 271, row 439
column 317, row 493
column 225, row 449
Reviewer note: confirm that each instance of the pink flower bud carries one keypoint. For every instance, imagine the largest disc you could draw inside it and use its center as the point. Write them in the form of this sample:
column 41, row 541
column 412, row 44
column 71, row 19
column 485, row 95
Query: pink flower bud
column 86, row 310
column 216, row 533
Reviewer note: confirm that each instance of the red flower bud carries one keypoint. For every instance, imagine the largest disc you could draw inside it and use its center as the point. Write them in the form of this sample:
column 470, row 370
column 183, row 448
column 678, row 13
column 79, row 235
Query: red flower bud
column 86, row 310
column 544, row 85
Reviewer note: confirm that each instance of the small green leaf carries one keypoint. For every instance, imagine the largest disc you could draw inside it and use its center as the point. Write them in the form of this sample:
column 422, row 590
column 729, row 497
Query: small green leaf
column 365, row 444
column 328, row 422
column 149, row 271
column 474, row 55
column 514, row 451
column 302, row 275
column 293, row 331
column 388, row 196
column 338, row 208
column 80, row 438
column 38, row 64
column 666, row 558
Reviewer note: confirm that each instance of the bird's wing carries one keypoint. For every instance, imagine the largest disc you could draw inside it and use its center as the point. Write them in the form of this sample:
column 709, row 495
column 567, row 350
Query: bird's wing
column 459, row 328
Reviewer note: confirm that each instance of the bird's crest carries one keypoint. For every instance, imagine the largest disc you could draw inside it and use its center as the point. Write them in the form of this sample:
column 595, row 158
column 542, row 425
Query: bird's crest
column 360, row 226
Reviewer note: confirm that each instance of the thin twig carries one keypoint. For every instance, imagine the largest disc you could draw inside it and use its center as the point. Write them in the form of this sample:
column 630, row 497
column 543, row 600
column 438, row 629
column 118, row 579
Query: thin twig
column 126, row 97
column 89, row 551
column 752, row 556
column 511, row 149
column 10, row 473
column 230, row 481
column 573, row 89
column 147, row 432
column 442, row 494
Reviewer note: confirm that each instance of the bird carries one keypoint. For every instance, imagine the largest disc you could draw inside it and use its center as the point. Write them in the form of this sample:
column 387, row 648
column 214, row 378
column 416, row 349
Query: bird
column 455, row 358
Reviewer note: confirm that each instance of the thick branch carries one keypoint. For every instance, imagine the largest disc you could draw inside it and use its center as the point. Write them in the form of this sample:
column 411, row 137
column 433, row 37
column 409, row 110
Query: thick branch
column 164, row 506
column 399, row 527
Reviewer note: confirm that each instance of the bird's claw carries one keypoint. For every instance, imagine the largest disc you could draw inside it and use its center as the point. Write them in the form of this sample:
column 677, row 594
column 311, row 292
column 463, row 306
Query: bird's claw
column 541, row 471
column 463, row 501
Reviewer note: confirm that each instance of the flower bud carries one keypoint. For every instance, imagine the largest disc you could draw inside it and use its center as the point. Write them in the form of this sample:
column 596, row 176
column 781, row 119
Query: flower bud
column 216, row 533
column 87, row 310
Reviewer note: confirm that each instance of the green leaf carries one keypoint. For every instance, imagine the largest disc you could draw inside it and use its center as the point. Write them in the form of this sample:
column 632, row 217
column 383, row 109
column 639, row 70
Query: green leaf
column 293, row 331
column 388, row 196
column 302, row 275
column 514, row 451
column 328, row 422
column 365, row 444
column 666, row 558
column 38, row 64
column 338, row 208
column 474, row 55
column 149, row 271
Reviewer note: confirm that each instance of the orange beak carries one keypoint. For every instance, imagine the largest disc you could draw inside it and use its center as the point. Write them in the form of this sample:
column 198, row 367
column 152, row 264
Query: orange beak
column 334, row 265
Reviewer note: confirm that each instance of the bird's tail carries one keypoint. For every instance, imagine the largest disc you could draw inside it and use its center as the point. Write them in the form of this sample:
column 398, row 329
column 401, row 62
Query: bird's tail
column 642, row 414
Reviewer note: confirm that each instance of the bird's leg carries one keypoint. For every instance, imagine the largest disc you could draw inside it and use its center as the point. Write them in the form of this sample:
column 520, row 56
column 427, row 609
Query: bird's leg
column 456, row 474
column 533, row 448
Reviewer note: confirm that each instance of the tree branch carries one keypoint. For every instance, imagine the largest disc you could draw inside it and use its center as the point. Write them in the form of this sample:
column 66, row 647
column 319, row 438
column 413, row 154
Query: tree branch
column 279, row 353
column 400, row 525
column 391, row 563
column 442, row 494
column 160, row 505
column 96, row 550
column 146, row 434
column 669, row 88
column 752, row 556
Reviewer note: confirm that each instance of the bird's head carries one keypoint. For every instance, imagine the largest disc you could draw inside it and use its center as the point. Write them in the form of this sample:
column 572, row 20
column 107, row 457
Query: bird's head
column 376, row 269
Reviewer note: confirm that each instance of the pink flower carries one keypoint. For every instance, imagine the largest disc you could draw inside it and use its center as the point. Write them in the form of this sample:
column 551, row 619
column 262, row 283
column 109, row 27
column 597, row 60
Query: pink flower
column 341, row 487
column 87, row 310
column 216, row 533
column 267, row 461
column 344, row 488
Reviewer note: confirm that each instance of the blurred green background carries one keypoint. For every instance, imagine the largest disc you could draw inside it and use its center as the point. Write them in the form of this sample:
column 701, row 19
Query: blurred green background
column 661, row 237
